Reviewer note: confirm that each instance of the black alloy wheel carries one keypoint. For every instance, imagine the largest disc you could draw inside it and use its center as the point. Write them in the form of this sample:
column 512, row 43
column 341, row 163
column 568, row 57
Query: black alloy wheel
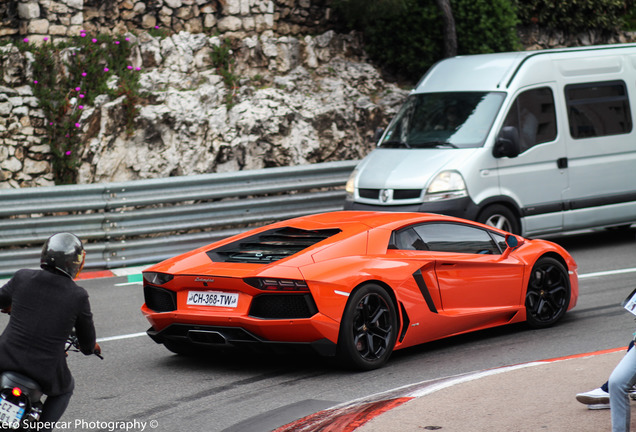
column 548, row 295
column 368, row 329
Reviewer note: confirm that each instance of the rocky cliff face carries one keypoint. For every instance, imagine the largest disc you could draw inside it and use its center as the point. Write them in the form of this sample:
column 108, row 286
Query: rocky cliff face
column 299, row 101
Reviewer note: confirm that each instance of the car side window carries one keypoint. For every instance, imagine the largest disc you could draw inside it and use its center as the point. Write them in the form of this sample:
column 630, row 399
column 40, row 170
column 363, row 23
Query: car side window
column 598, row 109
column 533, row 115
column 407, row 239
column 500, row 240
column 458, row 238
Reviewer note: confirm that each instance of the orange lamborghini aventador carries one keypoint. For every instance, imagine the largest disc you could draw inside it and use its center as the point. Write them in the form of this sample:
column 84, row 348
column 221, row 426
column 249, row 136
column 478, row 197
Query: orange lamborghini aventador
column 357, row 285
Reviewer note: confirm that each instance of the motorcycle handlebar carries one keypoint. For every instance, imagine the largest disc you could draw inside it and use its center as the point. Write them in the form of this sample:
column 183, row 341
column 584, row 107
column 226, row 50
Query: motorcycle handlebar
column 72, row 344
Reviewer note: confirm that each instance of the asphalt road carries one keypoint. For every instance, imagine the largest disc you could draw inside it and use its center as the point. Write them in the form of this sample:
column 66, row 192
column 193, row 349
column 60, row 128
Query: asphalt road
column 140, row 381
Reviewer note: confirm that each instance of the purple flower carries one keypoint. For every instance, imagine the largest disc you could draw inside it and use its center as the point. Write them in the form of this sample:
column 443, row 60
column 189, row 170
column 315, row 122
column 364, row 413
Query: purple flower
column 50, row 123
column 81, row 107
column 127, row 39
column 83, row 34
column 156, row 27
column 35, row 81
column 94, row 40
column 45, row 38
column 77, row 125
column 81, row 96
column 116, row 42
column 130, row 67
column 26, row 40
column 77, row 88
column 138, row 68
column 106, row 69
column 83, row 74
column 68, row 152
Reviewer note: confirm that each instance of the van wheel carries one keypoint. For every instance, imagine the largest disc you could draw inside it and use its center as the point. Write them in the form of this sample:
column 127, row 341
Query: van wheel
column 501, row 217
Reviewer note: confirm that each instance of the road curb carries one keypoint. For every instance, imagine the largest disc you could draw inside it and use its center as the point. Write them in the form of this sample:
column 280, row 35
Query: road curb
column 349, row 416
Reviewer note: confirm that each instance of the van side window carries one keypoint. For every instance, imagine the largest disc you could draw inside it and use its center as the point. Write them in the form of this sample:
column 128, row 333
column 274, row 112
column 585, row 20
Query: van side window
column 533, row 115
column 598, row 109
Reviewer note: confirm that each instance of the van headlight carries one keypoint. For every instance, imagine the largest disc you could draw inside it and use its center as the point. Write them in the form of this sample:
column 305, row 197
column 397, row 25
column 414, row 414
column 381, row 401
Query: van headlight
column 350, row 186
column 446, row 185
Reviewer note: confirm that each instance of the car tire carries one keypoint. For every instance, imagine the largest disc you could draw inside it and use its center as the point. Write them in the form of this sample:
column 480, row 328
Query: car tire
column 501, row 217
column 368, row 329
column 548, row 293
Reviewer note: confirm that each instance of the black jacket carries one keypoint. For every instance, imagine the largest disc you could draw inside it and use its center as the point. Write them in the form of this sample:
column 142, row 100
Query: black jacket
column 45, row 307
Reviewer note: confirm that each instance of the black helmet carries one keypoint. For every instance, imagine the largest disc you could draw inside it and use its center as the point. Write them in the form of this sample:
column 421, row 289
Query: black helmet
column 63, row 252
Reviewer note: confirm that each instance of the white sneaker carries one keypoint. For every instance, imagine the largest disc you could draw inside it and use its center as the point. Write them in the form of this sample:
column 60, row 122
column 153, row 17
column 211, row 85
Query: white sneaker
column 594, row 397
column 598, row 406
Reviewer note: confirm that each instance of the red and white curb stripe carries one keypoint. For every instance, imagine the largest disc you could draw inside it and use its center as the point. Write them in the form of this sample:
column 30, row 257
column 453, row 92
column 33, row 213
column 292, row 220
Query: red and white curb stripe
column 349, row 416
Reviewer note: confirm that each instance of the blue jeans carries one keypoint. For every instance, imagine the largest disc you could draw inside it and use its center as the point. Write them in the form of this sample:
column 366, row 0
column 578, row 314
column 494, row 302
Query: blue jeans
column 621, row 381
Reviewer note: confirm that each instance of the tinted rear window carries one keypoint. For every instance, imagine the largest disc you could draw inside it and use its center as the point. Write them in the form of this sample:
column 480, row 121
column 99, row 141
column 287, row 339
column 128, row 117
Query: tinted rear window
column 270, row 246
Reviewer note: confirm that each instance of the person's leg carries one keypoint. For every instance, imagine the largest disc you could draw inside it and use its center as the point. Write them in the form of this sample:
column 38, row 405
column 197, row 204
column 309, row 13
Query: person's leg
column 54, row 407
column 621, row 381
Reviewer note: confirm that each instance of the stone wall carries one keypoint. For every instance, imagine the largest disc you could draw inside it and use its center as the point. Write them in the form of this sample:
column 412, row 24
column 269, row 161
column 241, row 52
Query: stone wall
column 56, row 19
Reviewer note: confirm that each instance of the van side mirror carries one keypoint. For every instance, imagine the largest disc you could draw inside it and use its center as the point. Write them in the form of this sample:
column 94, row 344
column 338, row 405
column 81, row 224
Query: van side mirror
column 507, row 143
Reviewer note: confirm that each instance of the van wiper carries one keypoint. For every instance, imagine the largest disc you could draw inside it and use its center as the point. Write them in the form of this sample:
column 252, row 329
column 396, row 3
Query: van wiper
column 434, row 144
column 395, row 144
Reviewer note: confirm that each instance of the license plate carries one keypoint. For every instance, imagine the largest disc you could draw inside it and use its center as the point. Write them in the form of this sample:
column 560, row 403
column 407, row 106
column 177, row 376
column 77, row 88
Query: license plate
column 212, row 298
column 10, row 414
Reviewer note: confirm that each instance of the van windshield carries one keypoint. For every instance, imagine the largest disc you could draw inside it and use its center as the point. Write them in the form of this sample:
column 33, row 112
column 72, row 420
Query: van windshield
column 443, row 120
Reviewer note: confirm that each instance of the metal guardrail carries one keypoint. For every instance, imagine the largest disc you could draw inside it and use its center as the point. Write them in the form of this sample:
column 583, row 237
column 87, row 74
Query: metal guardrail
column 145, row 221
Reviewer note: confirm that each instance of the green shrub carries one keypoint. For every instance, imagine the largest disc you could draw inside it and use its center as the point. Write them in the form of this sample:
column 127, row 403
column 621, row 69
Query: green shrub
column 573, row 16
column 405, row 37
column 67, row 78
column 223, row 60
column 485, row 26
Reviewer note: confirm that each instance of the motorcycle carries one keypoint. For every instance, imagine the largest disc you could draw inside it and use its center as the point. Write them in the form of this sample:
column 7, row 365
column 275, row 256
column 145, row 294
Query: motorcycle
column 21, row 397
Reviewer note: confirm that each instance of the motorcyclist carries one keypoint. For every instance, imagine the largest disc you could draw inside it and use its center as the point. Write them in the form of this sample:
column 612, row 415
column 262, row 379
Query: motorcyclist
column 45, row 306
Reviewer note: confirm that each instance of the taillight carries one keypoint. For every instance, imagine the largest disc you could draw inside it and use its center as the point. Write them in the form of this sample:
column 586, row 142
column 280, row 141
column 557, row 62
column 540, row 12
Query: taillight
column 17, row 391
column 157, row 278
column 268, row 284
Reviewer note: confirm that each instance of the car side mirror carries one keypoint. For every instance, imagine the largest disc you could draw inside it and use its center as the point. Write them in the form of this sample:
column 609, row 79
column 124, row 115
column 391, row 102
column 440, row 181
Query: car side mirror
column 512, row 243
column 507, row 143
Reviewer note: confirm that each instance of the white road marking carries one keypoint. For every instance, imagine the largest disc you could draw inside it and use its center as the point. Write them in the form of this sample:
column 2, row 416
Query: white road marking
column 120, row 337
column 607, row 273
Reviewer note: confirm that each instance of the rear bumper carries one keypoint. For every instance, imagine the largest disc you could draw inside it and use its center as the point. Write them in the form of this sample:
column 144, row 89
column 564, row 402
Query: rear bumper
column 219, row 336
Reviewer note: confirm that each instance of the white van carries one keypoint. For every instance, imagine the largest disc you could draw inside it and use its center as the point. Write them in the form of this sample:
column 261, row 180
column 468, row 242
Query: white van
column 532, row 142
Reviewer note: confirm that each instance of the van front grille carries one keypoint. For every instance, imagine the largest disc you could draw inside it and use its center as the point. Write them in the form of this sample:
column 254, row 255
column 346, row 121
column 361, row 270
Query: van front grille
column 369, row 193
column 398, row 194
